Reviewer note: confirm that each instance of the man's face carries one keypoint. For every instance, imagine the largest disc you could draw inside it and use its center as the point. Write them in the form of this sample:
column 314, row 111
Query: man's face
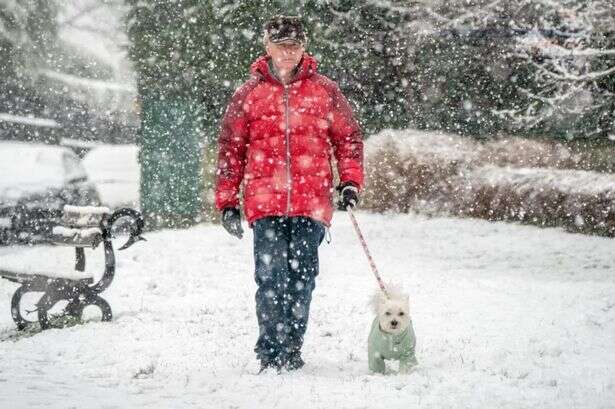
column 285, row 55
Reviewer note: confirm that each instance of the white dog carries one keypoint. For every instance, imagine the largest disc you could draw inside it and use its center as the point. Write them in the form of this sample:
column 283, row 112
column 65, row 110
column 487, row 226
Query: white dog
column 392, row 335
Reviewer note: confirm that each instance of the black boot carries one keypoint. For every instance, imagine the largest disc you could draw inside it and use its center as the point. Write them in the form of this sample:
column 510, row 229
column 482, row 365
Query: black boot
column 294, row 361
column 270, row 364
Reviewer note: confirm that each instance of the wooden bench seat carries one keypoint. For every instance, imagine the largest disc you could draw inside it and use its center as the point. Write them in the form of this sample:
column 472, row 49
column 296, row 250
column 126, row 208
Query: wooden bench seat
column 83, row 216
column 76, row 237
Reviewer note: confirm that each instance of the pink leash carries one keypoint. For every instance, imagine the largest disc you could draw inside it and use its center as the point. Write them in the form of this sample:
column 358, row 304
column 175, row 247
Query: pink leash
column 369, row 256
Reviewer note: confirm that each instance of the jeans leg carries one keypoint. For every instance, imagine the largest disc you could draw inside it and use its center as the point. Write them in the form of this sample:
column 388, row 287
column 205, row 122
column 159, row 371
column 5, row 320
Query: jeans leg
column 271, row 275
column 306, row 235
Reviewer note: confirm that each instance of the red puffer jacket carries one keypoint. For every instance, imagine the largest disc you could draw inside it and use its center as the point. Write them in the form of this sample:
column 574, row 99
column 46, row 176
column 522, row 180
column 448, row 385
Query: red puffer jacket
column 279, row 139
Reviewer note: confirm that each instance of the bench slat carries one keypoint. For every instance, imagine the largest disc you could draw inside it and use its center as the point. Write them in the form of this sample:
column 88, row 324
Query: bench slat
column 88, row 237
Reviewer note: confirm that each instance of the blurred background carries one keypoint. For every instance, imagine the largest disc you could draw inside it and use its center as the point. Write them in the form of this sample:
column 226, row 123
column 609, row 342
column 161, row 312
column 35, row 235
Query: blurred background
column 492, row 109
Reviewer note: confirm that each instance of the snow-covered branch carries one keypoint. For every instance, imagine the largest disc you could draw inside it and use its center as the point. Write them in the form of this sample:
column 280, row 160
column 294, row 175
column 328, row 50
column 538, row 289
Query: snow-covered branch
column 81, row 13
column 566, row 69
column 567, row 76
column 468, row 13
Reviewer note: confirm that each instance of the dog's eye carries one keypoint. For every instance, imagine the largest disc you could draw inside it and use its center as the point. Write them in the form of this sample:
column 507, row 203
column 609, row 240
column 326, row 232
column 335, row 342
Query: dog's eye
column 387, row 313
column 401, row 313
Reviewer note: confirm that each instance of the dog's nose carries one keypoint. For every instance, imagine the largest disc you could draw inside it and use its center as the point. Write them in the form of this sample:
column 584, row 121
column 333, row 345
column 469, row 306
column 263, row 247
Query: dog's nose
column 394, row 323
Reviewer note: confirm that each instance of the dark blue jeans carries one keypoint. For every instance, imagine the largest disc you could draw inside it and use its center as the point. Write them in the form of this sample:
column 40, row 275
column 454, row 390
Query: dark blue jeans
column 286, row 258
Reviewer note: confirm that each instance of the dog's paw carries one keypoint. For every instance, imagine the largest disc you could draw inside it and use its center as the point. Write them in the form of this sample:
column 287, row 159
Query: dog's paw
column 406, row 369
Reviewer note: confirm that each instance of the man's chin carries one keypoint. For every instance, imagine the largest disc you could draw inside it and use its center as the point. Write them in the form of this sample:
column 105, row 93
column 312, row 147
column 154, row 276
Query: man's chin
column 286, row 69
column 286, row 65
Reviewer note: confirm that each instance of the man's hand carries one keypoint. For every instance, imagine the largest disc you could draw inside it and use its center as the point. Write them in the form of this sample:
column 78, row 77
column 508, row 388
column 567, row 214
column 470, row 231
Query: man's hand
column 349, row 196
column 231, row 221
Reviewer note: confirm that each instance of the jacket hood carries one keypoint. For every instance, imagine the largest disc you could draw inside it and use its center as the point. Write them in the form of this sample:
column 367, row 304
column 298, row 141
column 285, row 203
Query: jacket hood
column 307, row 67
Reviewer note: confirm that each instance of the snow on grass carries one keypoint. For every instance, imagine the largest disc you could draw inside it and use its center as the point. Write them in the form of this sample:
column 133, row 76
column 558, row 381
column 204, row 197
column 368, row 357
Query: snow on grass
column 506, row 316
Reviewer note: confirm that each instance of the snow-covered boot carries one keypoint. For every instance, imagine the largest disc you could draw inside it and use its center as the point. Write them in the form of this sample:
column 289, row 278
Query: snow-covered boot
column 266, row 365
column 294, row 361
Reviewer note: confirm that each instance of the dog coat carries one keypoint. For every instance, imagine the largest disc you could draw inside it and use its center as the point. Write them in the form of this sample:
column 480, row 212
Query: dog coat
column 382, row 345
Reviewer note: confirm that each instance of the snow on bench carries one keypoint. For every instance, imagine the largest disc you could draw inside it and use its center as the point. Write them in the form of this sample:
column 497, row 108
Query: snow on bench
column 86, row 209
column 89, row 237
column 83, row 216
column 50, row 262
column 22, row 274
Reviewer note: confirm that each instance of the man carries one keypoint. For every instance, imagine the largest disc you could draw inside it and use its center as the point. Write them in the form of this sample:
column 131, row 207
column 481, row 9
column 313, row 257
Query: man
column 276, row 137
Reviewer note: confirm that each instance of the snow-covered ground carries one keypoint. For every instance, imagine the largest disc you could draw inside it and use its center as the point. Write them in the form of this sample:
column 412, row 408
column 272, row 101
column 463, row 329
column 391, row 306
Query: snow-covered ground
column 506, row 316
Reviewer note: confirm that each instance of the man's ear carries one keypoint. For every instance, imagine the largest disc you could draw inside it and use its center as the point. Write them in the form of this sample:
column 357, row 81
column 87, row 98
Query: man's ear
column 267, row 49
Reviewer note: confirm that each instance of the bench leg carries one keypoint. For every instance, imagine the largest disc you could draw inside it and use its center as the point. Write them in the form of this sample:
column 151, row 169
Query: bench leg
column 19, row 320
column 46, row 302
column 76, row 307
column 102, row 304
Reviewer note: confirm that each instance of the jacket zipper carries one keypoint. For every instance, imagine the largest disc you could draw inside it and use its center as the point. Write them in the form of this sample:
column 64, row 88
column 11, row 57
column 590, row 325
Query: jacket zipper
column 287, row 134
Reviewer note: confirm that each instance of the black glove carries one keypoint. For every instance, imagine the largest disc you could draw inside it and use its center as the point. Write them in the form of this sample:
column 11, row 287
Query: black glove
column 231, row 221
column 349, row 196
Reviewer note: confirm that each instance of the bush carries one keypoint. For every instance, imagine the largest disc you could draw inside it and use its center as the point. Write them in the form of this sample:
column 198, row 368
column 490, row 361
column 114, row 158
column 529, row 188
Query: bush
column 400, row 183
column 547, row 153
column 527, row 181
column 580, row 201
column 529, row 153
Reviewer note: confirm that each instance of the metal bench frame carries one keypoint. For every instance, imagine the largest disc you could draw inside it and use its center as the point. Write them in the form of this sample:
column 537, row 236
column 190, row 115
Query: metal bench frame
column 79, row 293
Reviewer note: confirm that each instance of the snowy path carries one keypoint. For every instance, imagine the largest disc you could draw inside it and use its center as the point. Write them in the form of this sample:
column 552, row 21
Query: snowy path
column 506, row 317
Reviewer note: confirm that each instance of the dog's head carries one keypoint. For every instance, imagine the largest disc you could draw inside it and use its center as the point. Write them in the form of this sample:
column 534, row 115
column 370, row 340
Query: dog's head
column 393, row 313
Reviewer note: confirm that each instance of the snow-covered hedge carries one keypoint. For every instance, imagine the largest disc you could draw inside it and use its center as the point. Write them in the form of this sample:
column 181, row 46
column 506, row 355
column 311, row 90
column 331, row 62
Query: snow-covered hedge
column 516, row 180
column 579, row 200
column 414, row 169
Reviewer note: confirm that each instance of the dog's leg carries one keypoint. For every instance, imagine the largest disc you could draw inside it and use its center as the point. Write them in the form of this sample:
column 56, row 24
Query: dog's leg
column 376, row 362
column 407, row 362
column 407, row 359
column 405, row 366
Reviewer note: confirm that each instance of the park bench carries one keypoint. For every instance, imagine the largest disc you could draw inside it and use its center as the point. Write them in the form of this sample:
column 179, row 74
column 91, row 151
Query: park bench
column 80, row 227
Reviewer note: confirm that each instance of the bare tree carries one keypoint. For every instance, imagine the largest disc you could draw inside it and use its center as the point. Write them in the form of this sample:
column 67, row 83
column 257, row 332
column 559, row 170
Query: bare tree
column 87, row 15
column 570, row 52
